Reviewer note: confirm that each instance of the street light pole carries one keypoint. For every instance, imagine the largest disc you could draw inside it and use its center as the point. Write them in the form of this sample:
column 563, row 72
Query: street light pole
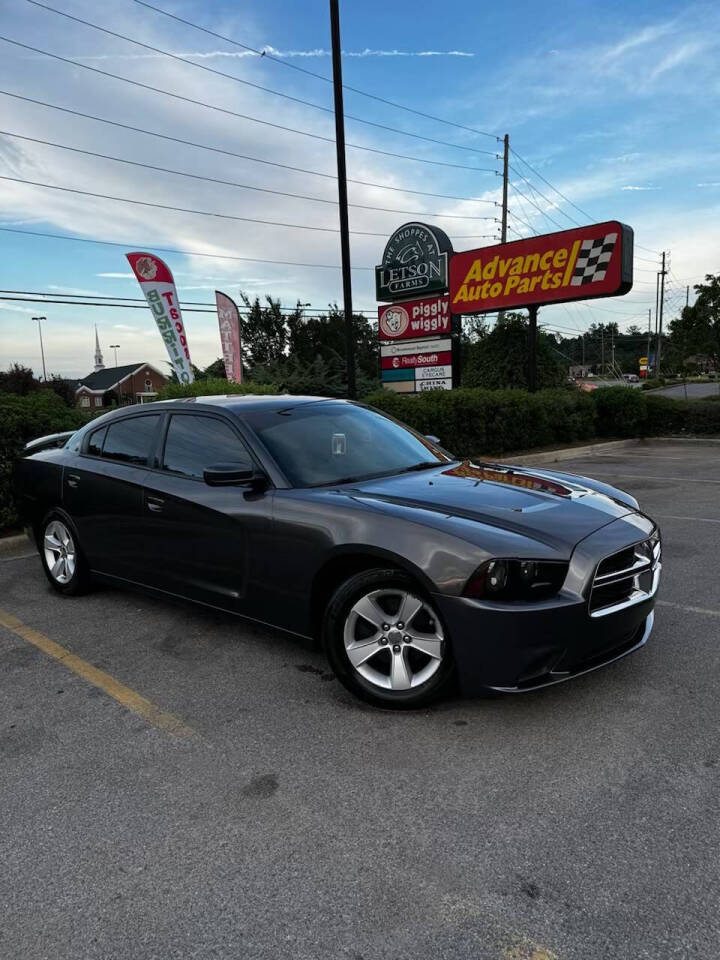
column 115, row 347
column 342, row 196
column 42, row 351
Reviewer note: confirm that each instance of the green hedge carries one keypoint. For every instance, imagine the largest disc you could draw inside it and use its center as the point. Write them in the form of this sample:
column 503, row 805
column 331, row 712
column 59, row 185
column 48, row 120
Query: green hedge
column 22, row 419
column 212, row 387
column 474, row 422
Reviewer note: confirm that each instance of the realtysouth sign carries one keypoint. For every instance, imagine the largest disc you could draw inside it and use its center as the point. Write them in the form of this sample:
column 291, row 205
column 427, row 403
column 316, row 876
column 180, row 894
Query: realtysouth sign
column 415, row 261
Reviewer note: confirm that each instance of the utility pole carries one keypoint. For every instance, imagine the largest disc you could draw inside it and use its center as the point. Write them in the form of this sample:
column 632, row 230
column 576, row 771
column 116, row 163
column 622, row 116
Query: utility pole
column 660, row 315
column 687, row 295
column 506, row 161
column 602, row 350
column 532, row 348
column 648, row 346
column 42, row 351
column 342, row 196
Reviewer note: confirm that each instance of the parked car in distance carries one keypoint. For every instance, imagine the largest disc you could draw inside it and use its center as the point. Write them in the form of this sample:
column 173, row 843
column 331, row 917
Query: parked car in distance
column 631, row 378
column 331, row 520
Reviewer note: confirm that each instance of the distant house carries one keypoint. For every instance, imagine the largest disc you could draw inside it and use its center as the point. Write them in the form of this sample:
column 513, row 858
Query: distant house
column 131, row 383
column 116, row 386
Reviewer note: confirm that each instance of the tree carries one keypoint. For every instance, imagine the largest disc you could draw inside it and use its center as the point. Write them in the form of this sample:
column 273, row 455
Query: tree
column 19, row 380
column 264, row 331
column 498, row 360
column 697, row 329
column 63, row 388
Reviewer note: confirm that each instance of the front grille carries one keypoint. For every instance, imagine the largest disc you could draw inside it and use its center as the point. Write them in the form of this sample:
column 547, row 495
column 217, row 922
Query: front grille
column 627, row 577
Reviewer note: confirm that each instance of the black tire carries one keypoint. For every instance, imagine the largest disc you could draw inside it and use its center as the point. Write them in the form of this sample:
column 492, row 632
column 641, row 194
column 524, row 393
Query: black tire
column 341, row 621
column 73, row 578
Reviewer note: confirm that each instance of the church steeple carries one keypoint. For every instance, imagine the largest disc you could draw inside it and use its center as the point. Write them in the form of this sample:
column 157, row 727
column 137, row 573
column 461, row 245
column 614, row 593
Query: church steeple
column 99, row 365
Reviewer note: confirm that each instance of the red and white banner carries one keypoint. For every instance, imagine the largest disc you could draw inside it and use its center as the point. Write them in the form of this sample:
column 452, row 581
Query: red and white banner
column 415, row 318
column 157, row 284
column 229, row 323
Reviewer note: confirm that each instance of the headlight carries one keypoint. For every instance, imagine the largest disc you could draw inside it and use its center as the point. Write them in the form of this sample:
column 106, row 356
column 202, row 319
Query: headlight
column 507, row 580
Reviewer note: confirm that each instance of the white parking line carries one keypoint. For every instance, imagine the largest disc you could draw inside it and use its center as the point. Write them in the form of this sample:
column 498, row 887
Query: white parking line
column 647, row 456
column 682, row 606
column 668, row 516
column 644, row 476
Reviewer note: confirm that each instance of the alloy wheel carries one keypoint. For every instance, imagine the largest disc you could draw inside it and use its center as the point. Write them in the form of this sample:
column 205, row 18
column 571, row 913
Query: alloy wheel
column 60, row 555
column 393, row 639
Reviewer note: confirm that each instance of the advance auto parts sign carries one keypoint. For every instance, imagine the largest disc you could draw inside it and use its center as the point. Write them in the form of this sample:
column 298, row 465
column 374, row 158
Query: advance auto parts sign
column 578, row 264
column 415, row 260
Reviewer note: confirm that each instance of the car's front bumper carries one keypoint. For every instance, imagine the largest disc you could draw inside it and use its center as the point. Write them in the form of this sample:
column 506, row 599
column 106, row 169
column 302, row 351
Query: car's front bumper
column 515, row 647
column 524, row 650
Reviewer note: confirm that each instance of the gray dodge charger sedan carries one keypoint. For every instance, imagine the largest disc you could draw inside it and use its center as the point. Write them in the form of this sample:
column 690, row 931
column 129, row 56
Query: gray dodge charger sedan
column 329, row 519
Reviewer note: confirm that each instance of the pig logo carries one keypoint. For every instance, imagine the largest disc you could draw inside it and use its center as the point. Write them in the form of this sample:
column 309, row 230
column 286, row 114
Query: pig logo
column 394, row 321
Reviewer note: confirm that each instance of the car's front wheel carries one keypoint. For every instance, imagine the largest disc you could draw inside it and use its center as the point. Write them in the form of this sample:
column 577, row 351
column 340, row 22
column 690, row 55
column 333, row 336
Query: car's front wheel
column 385, row 640
column 62, row 559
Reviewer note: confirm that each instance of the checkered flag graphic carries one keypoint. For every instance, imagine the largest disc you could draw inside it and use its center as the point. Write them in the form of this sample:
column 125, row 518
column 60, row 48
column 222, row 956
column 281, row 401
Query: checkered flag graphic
column 593, row 259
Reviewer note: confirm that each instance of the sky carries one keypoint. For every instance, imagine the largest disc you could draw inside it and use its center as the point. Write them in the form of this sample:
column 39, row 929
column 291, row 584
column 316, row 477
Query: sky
column 614, row 104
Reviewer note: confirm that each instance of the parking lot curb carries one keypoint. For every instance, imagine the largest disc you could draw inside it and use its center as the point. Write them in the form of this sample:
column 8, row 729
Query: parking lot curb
column 13, row 544
column 553, row 456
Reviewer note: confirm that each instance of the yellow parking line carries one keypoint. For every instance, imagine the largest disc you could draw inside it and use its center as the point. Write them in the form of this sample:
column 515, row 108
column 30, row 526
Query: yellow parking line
column 125, row 696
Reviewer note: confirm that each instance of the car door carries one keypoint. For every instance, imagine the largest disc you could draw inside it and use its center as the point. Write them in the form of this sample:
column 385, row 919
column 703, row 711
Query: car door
column 205, row 542
column 102, row 492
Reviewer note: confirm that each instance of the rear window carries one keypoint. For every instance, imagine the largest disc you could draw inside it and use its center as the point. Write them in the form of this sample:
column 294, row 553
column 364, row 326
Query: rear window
column 131, row 440
column 95, row 443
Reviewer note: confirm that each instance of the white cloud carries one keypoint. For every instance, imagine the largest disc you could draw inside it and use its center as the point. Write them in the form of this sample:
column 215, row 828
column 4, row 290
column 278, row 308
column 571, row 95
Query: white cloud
column 632, row 187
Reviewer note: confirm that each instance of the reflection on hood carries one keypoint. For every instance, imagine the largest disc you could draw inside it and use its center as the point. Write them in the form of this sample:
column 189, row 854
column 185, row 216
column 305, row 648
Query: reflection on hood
column 500, row 475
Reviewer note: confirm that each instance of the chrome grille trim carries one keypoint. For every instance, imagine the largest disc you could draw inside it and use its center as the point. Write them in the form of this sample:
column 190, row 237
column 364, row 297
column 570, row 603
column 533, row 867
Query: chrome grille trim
column 641, row 569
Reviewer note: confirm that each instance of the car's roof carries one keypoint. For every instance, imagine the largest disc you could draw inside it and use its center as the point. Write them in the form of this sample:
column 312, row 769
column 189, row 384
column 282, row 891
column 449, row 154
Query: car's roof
column 239, row 404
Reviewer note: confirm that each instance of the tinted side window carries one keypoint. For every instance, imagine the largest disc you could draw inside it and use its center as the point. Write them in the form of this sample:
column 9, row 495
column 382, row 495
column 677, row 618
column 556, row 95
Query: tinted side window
column 195, row 442
column 130, row 440
column 95, row 443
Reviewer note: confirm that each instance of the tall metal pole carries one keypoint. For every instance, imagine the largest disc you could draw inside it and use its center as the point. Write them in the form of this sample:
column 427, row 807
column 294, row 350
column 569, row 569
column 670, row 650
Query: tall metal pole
column 342, row 196
column 506, row 161
column 660, row 321
column 648, row 346
column 42, row 351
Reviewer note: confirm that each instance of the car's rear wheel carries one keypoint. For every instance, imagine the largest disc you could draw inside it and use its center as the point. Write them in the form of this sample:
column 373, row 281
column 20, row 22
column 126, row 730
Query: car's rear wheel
column 62, row 559
column 385, row 640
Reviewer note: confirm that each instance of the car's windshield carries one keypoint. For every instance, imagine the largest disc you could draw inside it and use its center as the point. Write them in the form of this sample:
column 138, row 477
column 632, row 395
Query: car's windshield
column 333, row 442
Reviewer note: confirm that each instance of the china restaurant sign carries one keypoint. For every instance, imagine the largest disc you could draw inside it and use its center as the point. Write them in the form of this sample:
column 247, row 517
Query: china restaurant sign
column 578, row 264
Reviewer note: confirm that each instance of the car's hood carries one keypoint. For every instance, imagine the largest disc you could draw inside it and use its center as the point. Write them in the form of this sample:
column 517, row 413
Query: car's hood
column 556, row 509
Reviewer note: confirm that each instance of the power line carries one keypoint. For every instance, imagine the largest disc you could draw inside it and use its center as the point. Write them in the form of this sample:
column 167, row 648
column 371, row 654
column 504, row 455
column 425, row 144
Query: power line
column 541, row 177
column 530, row 200
column 85, row 302
column 208, row 213
column 186, row 253
column 242, row 156
column 317, row 76
column 230, row 113
column 250, row 83
column 232, row 183
column 554, row 206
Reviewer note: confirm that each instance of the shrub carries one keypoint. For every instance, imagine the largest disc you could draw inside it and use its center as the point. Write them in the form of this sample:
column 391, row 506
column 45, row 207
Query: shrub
column 471, row 421
column 24, row 418
column 665, row 416
column 213, row 387
column 621, row 411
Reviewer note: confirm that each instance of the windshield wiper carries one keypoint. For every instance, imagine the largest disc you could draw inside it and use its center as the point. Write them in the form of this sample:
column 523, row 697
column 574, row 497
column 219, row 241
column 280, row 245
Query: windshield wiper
column 423, row 465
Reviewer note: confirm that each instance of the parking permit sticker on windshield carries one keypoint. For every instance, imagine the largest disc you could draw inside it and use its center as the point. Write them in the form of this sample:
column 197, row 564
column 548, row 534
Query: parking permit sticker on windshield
column 339, row 444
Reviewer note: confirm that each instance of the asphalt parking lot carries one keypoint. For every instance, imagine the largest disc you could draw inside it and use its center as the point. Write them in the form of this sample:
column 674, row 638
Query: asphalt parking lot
column 243, row 805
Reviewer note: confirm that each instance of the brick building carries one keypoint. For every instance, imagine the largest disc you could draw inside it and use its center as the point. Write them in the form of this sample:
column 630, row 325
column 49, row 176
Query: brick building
column 110, row 386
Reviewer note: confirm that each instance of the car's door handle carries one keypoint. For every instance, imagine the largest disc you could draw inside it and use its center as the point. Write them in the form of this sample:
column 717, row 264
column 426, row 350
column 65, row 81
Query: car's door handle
column 73, row 480
column 155, row 504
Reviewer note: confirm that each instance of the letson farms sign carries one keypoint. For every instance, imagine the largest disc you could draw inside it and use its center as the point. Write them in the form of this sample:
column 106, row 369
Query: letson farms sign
column 581, row 264
column 415, row 261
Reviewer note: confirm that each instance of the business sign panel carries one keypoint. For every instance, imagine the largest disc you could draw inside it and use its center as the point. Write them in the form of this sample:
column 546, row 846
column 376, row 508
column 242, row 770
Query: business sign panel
column 229, row 324
column 157, row 284
column 578, row 264
column 415, row 261
column 415, row 346
column 415, row 318
column 416, row 360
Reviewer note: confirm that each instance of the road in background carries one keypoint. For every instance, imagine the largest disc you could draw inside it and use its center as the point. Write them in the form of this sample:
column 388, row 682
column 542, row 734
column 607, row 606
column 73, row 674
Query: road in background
column 694, row 391
column 296, row 823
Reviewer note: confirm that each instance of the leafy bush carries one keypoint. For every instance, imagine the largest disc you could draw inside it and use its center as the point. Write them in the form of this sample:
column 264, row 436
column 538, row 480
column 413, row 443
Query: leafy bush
column 213, row 387
column 24, row 418
column 621, row 411
column 666, row 416
column 472, row 422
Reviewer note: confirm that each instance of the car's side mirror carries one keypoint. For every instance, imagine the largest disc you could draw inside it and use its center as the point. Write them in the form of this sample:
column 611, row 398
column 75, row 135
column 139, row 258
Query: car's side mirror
column 234, row 474
column 432, row 439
